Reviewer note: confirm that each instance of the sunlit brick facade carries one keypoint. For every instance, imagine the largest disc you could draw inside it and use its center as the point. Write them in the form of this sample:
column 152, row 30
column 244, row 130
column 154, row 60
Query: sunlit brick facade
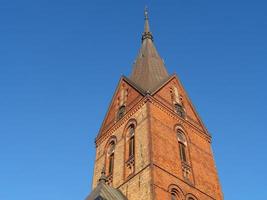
column 152, row 144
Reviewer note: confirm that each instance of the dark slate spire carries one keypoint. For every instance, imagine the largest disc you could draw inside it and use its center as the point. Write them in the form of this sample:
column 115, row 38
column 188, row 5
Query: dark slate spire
column 148, row 70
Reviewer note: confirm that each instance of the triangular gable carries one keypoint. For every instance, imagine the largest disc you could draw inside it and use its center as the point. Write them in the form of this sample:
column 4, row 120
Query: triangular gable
column 163, row 94
column 130, row 94
column 106, row 192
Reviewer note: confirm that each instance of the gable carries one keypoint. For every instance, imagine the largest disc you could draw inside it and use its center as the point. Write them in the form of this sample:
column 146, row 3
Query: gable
column 105, row 192
column 126, row 95
column 172, row 92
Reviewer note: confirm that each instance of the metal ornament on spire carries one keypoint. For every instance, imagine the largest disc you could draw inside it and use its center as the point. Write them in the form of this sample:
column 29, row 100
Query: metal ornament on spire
column 146, row 13
column 147, row 34
column 103, row 178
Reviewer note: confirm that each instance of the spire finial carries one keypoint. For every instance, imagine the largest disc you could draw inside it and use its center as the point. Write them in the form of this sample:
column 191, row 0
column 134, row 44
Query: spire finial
column 146, row 13
column 147, row 34
column 103, row 178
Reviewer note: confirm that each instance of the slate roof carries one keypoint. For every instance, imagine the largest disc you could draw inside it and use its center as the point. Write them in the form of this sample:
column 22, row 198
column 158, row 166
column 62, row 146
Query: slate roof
column 149, row 70
column 104, row 191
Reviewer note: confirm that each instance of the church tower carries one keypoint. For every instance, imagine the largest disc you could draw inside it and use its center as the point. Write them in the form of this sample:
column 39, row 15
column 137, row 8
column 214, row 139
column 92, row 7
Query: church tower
column 152, row 144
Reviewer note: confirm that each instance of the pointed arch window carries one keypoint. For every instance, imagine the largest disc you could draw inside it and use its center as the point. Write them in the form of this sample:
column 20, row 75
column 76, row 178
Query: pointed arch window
column 130, row 149
column 174, row 194
column 184, row 156
column 182, row 145
column 131, row 140
column 191, row 197
column 182, row 152
column 111, row 151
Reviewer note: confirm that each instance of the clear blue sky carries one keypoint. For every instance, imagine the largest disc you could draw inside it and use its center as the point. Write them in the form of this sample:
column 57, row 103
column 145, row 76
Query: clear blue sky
column 60, row 62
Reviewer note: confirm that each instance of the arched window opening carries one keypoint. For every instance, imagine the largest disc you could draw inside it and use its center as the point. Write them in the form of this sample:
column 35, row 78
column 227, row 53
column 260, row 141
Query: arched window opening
column 184, row 156
column 111, row 151
column 182, row 152
column 121, row 112
column 179, row 110
column 190, row 197
column 131, row 141
column 182, row 145
column 175, row 194
column 130, row 149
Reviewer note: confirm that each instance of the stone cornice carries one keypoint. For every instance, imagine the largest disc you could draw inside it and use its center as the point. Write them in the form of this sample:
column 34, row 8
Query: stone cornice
column 162, row 107
column 113, row 121
column 124, row 119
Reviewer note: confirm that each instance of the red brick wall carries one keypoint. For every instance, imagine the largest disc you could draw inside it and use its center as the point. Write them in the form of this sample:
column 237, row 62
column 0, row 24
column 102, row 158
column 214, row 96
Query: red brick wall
column 132, row 97
column 158, row 165
column 164, row 96
column 168, row 168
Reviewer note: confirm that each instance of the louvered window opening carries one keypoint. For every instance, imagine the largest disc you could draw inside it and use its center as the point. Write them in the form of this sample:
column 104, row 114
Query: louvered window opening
column 131, row 141
column 179, row 110
column 121, row 112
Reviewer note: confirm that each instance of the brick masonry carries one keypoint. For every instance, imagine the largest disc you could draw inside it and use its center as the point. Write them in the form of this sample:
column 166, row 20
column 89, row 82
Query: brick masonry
column 158, row 166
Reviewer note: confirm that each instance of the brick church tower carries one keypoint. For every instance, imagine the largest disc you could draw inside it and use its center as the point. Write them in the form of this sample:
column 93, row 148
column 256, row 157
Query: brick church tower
column 152, row 144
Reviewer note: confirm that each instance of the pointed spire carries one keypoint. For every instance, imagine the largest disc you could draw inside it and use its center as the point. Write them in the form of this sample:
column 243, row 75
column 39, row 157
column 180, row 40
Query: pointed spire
column 147, row 34
column 146, row 21
column 149, row 71
column 103, row 178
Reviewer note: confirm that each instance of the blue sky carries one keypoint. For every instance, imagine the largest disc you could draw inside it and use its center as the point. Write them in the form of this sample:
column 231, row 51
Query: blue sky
column 60, row 62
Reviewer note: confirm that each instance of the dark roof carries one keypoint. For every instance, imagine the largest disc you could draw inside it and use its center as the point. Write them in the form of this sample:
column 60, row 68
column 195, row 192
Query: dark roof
column 149, row 70
column 106, row 192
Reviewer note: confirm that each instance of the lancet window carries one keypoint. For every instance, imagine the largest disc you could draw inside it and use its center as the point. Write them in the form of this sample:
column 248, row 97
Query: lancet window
column 131, row 140
column 130, row 149
column 111, row 151
column 175, row 195
column 182, row 145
